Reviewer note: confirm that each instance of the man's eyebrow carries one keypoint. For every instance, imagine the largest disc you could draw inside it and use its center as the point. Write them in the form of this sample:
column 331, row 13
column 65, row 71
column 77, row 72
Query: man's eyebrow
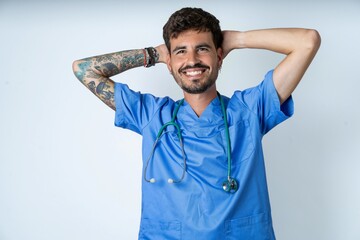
column 203, row 45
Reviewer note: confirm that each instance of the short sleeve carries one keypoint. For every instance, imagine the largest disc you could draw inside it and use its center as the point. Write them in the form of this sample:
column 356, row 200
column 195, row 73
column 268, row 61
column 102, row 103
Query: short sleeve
column 263, row 101
column 134, row 110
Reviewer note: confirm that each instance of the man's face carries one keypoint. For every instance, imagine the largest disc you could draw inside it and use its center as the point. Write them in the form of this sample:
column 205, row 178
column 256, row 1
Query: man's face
column 194, row 61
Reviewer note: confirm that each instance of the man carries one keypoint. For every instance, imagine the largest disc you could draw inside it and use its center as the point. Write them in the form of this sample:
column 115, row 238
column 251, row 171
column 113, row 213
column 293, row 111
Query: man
column 210, row 146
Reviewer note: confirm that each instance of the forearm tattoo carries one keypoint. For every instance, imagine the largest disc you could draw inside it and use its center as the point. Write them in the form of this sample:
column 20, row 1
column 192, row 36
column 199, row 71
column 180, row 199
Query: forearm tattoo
column 115, row 63
column 95, row 72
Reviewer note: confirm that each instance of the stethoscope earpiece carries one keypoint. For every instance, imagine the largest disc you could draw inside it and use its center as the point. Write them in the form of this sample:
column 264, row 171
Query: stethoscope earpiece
column 152, row 180
column 230, row 185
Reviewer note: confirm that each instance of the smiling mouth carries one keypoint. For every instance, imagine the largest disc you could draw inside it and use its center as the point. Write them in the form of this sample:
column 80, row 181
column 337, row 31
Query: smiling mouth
column 195, row 70
column 192, row 73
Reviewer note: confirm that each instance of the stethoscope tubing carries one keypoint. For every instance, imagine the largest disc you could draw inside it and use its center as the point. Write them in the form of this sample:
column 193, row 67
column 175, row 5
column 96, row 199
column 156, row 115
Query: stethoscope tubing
column 227, row 136
column 170, row 180
column 159, row 135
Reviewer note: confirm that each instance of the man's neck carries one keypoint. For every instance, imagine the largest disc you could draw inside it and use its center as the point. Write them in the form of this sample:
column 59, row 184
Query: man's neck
column 199, row 102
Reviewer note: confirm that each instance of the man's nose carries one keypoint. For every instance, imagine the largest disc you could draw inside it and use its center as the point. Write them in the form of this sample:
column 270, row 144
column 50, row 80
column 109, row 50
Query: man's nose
column 193, row 58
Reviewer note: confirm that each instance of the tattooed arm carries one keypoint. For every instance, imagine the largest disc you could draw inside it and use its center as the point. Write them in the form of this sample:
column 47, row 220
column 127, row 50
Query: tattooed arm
column 95, row 72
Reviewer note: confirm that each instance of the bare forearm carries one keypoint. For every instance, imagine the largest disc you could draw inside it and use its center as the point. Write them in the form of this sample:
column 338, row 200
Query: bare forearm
column 281, row 40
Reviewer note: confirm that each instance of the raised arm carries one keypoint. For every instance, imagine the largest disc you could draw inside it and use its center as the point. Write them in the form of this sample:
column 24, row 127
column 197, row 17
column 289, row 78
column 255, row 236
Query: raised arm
column 298, row 44
column 95, row 72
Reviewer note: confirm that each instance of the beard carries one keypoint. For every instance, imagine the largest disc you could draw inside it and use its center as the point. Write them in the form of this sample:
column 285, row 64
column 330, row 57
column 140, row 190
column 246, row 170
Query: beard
column 196, row 86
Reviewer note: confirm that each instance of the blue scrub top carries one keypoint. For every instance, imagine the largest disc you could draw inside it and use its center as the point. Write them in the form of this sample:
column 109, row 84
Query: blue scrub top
column 198, row 207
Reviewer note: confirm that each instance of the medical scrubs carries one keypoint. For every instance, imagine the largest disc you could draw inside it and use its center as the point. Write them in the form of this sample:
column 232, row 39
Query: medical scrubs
column 198, row 207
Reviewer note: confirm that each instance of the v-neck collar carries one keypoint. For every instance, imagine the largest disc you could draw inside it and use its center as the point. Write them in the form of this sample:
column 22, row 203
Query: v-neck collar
column 210, row 116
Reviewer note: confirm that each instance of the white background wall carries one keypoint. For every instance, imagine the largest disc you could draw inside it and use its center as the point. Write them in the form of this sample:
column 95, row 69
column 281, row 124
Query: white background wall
column 67, row 173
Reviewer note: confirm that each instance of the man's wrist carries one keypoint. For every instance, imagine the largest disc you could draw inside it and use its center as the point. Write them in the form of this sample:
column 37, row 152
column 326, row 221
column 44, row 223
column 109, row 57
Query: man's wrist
column 151, row 57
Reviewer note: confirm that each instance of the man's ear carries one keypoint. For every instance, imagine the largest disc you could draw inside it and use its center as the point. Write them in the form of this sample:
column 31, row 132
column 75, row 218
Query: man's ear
column 219, row 53
column 168, row 63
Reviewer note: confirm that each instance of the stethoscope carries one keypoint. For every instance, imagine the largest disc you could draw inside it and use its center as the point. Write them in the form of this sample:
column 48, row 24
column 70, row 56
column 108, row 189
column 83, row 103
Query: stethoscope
column 229, row 185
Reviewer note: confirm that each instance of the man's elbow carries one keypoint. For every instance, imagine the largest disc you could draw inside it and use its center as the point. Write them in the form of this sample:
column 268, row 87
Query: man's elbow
column 79, row 68
column 313, row 40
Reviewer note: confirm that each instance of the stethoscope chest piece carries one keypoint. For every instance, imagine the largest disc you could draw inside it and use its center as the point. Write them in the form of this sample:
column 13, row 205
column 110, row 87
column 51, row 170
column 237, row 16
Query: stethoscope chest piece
column 230, row 185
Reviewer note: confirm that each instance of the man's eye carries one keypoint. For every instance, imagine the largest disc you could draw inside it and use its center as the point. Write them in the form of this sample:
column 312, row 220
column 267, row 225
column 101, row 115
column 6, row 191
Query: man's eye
column 180, row 52
column 203, row 49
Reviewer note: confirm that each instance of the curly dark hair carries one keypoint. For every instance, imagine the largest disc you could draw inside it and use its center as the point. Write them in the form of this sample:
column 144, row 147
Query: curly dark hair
column 192, row 19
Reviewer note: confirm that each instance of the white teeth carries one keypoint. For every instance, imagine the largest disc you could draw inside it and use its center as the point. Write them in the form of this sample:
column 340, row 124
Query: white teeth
column 193, row 73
